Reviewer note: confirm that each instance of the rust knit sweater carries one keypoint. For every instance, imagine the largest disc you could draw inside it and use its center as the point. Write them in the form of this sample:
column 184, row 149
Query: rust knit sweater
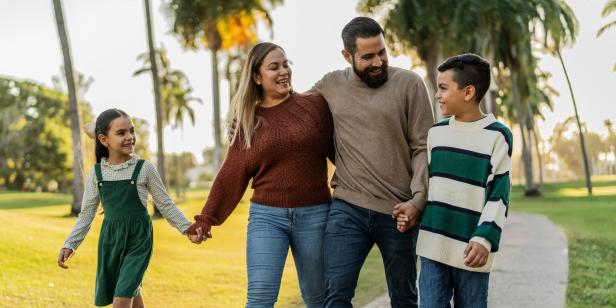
column 286, row 161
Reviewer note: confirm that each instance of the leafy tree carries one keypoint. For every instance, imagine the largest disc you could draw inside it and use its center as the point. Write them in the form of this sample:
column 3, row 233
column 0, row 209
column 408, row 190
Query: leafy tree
column 35, row 144
column 211, row 24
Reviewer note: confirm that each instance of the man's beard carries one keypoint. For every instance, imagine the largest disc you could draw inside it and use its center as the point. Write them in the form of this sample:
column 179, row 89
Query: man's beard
column 371, row 80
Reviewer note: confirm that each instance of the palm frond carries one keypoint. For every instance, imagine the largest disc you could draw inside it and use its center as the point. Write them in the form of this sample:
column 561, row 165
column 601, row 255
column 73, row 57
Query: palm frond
column 605, row 28
column 609, row 8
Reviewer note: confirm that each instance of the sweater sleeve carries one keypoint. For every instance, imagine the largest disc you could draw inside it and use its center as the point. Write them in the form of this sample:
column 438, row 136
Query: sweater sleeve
column 162, row 201
column 326, row 126
column 227, row 190
column 498, row 186
column 420, row 119
column 89, row 205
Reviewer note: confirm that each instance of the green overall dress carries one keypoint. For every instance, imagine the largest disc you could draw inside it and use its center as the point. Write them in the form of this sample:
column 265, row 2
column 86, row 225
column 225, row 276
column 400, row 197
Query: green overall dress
column 125, row 242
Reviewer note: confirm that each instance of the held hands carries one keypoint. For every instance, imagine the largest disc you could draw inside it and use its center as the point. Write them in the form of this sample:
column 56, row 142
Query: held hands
column 406, row 215
column 199, row 238
column 475, row 255
column 65, row 254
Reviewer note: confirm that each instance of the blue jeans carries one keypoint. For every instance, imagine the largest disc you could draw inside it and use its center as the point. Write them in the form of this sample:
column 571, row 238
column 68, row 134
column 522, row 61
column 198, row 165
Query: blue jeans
column 351, row 233
column 439, row 282
column 271, row 231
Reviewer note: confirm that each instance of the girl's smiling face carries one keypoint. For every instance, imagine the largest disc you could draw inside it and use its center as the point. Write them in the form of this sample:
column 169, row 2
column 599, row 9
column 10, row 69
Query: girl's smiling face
column 120, row 139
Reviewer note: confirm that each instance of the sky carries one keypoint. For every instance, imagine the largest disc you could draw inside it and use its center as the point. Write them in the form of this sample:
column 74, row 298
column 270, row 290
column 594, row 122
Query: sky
column 107, row 36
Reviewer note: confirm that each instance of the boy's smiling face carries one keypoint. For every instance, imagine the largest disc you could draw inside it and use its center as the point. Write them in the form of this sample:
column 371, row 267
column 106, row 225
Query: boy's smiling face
column 451, row 99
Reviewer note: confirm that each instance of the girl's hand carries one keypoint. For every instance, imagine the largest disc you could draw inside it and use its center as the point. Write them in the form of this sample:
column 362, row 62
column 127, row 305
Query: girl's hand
column 65, row 253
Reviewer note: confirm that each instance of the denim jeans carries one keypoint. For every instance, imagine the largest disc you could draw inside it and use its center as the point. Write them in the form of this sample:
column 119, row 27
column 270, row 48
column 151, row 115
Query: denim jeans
column 439, row 282
column 351, row 233
column 271, row 231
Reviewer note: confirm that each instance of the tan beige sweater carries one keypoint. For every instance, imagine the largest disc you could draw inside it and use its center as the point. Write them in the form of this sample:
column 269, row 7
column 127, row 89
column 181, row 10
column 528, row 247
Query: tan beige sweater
column 380, row 138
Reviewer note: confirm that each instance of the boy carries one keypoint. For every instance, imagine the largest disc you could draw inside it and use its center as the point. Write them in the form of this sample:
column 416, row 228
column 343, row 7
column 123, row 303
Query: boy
column 468, row 196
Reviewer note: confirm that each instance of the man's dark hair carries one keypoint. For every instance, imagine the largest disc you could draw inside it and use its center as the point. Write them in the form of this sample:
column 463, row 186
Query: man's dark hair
column 363, row 27
column 469, row 70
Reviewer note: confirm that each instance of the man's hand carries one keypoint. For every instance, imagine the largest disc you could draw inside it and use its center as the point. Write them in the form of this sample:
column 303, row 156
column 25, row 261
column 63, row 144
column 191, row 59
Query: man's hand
column 407, row 216
column 475, row 255
column 199, row 238
column 65, row 254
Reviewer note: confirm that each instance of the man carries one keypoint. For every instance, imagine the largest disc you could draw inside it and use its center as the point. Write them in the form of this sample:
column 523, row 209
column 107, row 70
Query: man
column 381, row 117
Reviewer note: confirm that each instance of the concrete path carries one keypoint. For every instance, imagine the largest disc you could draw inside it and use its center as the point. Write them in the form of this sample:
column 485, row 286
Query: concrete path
column 531, row 268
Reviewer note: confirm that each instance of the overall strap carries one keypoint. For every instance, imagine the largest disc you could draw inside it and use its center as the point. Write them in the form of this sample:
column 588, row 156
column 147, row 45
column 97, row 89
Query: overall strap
column 137, row 170
column 99, row 173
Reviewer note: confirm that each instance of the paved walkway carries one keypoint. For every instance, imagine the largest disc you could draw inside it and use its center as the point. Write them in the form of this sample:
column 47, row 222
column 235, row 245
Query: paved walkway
column 531, row 268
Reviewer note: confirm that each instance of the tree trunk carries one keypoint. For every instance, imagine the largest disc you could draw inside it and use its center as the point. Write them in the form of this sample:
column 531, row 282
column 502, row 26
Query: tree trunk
column 539, row 159
column 529, row 188
column 431, row 74
column 77, row 184
column 579, row 125
column 216, row 101
column 160, row 155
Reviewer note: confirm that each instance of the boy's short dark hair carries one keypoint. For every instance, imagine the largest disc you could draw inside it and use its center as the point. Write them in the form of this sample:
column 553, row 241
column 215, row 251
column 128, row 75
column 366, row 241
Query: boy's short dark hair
column 363, row 27
column 469, row 70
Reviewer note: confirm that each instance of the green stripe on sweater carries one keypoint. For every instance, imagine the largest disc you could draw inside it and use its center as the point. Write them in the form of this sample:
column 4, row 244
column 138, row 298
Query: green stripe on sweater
column 474, row 168
column 499, row 189
column 455, row 224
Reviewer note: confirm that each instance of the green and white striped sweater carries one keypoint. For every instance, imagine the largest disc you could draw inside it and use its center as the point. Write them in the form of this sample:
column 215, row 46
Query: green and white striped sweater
column 468, row 195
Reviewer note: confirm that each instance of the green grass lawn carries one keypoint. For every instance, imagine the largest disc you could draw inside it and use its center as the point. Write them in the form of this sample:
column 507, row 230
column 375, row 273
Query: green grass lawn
column 590, row 225
column 33, row 227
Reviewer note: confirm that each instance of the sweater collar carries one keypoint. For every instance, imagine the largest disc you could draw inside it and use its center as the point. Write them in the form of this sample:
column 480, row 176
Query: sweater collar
column 469, row 126
column 118, row 167
column 275, row 109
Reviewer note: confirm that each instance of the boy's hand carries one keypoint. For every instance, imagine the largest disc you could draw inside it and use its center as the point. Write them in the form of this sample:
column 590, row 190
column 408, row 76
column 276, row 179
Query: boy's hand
column 475, row 255
column 65, row 253
column 402, row 223
column 410, row 218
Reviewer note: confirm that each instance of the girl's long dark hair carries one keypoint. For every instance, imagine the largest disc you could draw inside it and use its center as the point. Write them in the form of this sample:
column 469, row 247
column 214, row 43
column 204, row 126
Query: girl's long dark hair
column 102, row 127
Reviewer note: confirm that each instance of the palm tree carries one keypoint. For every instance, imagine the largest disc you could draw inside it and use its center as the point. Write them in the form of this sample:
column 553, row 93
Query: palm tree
column 175, row 90
column 200, row 21
column 74, row 110
column 516, row 25
column 433, row 30
column 560, row 27
column 503, row 31
column 160, row 155
column 174, row 94
column 608, row 9
column 418, row 28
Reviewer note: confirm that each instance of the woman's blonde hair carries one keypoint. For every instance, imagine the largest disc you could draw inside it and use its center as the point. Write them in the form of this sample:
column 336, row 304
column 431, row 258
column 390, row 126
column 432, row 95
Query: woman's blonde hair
column 242, row 119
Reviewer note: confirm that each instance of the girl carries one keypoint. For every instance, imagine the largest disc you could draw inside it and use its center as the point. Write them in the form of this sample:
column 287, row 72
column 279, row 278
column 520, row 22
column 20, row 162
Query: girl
column 121, row 181
column 280, row 140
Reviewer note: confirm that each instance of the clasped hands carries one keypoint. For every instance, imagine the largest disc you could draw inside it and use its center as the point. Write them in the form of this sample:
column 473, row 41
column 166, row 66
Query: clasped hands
column 199, row 237
column 407, row 215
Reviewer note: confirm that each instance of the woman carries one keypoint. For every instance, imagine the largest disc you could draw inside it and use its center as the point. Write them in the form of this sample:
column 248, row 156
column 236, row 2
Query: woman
column 280, row 140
